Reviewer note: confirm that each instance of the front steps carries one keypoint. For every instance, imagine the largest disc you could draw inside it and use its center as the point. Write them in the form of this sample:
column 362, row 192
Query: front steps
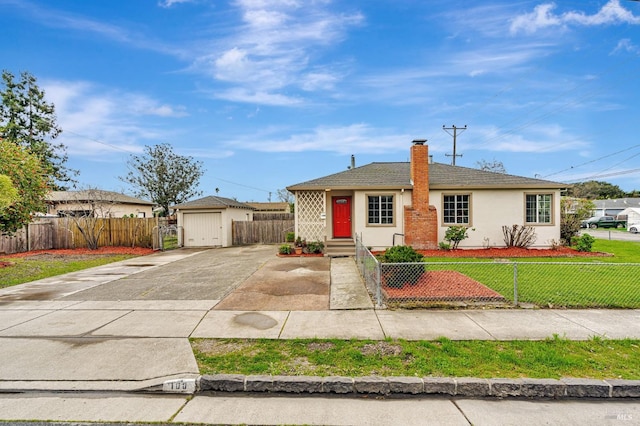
column 340, row 248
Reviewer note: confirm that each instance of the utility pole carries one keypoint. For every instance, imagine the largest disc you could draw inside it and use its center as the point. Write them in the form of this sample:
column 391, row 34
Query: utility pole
column 455, row 134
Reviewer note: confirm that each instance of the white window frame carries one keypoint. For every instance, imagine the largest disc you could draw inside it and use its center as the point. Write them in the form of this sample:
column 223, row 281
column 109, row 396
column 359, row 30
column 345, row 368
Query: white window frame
column 458, row 214
column 543, row 208
column 390, row 202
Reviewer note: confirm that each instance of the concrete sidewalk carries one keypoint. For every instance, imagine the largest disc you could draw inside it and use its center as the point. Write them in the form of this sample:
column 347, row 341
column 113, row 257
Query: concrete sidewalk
column 132, row 345
column 264, row 410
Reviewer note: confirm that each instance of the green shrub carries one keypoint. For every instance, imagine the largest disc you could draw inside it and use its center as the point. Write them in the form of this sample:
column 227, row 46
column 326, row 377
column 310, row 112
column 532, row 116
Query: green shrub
column 401, row 254
column 285, row 249
column 291, row 236
column 315, row 247
column 444, row 246
column 398, row 275
column 455, row 234
column 583, row 243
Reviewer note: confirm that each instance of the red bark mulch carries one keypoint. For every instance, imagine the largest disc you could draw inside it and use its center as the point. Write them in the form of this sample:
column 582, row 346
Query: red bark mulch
column 436, row 286
column 509, row 252
column 136, row 251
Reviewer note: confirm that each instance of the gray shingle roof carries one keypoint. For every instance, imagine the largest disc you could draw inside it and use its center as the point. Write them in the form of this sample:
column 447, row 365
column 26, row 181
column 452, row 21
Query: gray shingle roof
column 441, row 176
column 94, row 195
column 212, row 202
column 619, row 203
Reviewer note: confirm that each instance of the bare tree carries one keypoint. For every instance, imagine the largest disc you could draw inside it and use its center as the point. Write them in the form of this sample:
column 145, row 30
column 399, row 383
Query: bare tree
column 286, row 197
column 491, row 166
column 88, row 209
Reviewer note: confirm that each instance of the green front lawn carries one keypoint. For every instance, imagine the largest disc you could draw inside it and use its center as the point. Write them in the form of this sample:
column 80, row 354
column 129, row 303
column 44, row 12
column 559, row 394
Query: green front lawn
column 551, row 358
column 576, row 282
column 26, row 269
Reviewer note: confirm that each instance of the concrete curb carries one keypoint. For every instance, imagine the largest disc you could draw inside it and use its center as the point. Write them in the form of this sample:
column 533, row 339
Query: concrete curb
column 433, row 386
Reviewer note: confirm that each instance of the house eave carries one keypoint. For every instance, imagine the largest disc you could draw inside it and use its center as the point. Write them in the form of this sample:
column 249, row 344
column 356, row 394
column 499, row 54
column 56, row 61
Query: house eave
column 497, row 187
column 431, row 187
column 349, row 188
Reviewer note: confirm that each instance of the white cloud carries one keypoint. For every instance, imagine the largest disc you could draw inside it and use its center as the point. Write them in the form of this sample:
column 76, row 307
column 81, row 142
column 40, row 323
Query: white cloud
column 96, row 121
column 626, row 45
column 169, row 3
column 354, row 138
column 543, row 16
column 275, row 50
column 239, row 94
column 536, row 139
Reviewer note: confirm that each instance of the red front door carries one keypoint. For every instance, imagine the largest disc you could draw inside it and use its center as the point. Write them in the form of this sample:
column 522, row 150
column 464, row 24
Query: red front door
column 341, row 217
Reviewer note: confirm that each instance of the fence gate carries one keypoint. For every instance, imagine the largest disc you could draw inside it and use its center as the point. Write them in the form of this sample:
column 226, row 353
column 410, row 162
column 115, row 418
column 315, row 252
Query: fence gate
column 165, row 237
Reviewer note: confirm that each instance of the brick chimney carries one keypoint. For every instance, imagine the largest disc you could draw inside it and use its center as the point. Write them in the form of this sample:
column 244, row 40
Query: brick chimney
column 421, row 221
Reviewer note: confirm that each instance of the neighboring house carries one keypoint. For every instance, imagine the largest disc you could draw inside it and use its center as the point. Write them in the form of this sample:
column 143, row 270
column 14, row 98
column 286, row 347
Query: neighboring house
column 278, row 207
column 206, row 222
column 97, row 203
column 632, row 215
column 414, row 203
column 614, row 207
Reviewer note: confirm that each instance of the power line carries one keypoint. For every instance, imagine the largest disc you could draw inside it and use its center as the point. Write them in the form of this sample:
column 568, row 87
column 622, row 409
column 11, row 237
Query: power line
column 592, row 161
column 135, row 152
column 624, row 172
column 101, row 142
column 243, row 185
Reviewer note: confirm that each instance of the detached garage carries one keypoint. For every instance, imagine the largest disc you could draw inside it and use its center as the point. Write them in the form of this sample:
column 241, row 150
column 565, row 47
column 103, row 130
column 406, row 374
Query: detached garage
column 206, row 222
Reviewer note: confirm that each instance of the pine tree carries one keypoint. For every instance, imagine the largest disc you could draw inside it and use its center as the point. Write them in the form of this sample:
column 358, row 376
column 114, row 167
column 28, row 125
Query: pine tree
column 29, row 121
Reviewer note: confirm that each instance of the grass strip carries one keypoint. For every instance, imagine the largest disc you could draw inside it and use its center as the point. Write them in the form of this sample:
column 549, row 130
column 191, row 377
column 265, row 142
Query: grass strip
column 551, row 358
column 26, row 269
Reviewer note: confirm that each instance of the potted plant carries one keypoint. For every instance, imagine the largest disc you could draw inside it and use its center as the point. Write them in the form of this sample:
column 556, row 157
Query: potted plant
column 299, row 245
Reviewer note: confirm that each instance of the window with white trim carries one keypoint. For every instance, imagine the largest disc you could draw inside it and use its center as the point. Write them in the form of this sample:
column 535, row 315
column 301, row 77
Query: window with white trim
column 538, row 208
column 455, row 209
column 380, row 209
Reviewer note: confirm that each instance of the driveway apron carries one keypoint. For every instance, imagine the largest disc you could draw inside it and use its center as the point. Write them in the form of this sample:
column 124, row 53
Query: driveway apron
column 284, row 284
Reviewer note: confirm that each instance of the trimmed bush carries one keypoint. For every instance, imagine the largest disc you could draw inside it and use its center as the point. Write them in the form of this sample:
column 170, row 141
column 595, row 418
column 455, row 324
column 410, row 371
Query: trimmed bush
column 397, row 276
column 583, row 243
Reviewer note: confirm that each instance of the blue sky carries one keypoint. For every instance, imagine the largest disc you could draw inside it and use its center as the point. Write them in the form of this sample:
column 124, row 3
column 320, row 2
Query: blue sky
column 271, row 93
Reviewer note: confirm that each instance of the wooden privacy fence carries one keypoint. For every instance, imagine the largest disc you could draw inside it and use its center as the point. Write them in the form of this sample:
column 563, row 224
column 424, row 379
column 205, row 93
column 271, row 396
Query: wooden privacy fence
column 260, row 216
column 63, row 233
column 260, row 232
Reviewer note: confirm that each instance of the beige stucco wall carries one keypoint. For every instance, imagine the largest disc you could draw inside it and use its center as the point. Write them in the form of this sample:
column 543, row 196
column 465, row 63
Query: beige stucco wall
column 380, row 236
column 111, row 210
column 491, row 209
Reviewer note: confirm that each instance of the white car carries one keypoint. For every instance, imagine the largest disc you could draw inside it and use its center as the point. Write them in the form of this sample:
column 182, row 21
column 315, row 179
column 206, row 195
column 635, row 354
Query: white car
column 634, row 228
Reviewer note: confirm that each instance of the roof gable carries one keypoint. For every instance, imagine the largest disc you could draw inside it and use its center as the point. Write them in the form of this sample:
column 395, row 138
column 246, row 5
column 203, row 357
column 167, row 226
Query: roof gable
column 91, row 195
column 441, row 176
column 212, row 202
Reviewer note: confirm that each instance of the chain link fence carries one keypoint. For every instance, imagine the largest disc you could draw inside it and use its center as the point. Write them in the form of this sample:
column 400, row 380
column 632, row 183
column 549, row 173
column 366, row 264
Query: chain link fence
column 369, row 268
column 500, row 282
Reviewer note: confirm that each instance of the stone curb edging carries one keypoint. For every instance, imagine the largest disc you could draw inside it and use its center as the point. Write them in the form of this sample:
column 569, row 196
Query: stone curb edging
column 442, row 386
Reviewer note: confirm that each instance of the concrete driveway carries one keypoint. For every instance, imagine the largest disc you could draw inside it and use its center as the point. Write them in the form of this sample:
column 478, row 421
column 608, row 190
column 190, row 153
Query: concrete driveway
column 206, row 275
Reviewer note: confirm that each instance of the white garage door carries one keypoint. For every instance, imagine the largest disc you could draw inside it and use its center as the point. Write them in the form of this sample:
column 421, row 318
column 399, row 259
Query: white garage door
column 202, row 229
